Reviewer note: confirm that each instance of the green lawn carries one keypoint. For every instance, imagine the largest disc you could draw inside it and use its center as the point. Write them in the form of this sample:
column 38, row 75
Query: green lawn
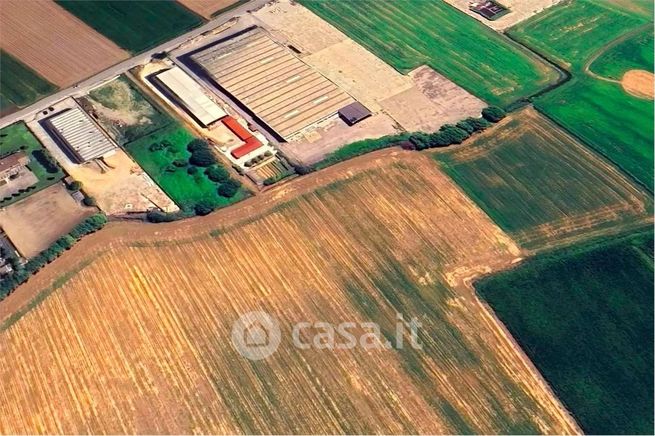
column 17, row 137
column 599, row 112
column 409, row 33
column 584, row 316
column 19, row 85
column 134, row 25
column 185, row 189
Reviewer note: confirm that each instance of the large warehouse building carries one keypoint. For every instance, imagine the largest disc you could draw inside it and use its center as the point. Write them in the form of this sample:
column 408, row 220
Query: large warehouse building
column 80, row 135
column 266, row 77
column 188, row 94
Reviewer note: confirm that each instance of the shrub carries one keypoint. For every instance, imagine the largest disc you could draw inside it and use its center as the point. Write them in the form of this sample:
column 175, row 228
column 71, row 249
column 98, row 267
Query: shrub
column 170, row 168
column 203, row 208
column 192, row 170
column 268, row 153
column 46, row 161
column 217, row 174
column 75, row 185
column 229, row 188
column 493, row 114
column 202, row 157
column 180, row 163
column 89, row 201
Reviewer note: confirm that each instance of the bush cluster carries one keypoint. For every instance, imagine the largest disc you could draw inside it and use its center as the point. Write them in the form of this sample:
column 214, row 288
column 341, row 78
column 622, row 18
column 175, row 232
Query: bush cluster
column 22, row 273
column 46, row 161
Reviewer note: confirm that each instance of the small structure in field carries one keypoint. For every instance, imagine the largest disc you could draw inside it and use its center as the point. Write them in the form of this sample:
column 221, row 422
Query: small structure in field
column 489, row 9
column 12, row 165
column 354, row 113
column 79, row 135
column 189, row 95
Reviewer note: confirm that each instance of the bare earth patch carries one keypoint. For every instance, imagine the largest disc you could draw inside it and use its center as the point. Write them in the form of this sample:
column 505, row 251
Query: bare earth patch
column 639, row 83
column 39, row 220
column 54, row 43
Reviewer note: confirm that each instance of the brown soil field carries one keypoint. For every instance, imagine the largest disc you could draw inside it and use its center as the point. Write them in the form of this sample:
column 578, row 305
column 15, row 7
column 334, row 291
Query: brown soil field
column 207, row 7
column 639, row 83
column 134, row 337
column 53, row 42
column 39, row 220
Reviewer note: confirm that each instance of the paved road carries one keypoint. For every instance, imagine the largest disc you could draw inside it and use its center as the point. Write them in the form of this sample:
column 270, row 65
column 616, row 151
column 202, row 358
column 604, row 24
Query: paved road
column 125, row 65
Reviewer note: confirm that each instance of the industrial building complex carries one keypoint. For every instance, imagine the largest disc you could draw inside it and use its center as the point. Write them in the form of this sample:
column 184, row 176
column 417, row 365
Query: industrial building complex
column 189, row 95
column 271, row 82
column 80, row 135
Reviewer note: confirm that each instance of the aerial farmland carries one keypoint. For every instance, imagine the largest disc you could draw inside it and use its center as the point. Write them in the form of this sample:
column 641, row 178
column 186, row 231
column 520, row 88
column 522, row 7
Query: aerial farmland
column 326, row 217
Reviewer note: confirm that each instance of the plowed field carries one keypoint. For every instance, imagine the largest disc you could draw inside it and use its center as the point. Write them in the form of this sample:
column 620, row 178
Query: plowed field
column 54, row 43
column 137, row 337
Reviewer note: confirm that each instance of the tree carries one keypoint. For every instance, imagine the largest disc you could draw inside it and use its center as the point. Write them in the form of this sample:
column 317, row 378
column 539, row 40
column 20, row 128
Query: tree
column 229, row 188
column 420, row 140
column 493, row 114
column 453, row 134
column 203, row 208
column 75, row 185
column 180, row 163
column 467, row 126
column 479, row 123
column 192, row 170
column 90, row 201
column 202, row 157
column 217, row 174
column 197, row 144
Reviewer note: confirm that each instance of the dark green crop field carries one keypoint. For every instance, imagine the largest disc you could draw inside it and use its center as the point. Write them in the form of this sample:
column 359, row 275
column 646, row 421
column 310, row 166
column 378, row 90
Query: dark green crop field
column 632, row 54
column 584, row 316
column 410, row 33
column 19, row 85
column 586, row 36
column 540, row 184
column 134, row 25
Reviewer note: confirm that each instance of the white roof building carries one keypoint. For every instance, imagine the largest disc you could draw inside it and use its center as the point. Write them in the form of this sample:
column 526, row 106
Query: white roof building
column 80, row 135
column 190, row 95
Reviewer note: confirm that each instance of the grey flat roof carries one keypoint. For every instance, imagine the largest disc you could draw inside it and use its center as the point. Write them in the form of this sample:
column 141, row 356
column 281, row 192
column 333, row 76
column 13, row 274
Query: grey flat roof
column 82, row 136
column 354, row 113
column 281, row 89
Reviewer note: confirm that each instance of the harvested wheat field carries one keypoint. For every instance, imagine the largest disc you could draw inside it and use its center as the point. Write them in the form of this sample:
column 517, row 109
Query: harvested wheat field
column 639, row 83
column 53, row 42
column 207, row 8
column 137, row 338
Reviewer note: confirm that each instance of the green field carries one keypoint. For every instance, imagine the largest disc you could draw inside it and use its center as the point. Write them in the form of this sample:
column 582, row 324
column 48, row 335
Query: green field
column 584, row 316
column 411, row 33
column 185, row 189
column 17, row 137
column 632, row 54
column 598, row 111
column 19, row 85
column 539, row 184
column 134, row 25
column 123, row 111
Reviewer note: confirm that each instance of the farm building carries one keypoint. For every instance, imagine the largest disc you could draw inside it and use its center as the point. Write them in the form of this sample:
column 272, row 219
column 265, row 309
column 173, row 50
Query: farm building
column 354, row 113
column 250, row 143
column 489, row 9
column 12, row 165
column 187, row 93
column 79, row 135
column 271, row 82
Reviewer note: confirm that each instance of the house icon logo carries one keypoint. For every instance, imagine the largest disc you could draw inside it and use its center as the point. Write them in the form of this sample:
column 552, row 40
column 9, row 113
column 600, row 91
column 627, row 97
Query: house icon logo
column 256, row 335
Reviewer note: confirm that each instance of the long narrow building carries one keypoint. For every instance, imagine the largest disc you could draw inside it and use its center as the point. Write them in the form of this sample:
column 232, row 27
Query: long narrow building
column 79, row 135
column 275, row 85
column 188, row 94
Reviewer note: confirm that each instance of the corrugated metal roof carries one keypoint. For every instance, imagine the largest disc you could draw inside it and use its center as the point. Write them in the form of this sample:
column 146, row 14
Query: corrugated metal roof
column 81, row 134
column 282, row 90
column 191, row 95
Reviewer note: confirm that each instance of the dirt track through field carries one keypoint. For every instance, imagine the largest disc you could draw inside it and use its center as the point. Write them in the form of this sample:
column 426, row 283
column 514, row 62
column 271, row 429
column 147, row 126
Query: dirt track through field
column 54, row 43
column 382, row 234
